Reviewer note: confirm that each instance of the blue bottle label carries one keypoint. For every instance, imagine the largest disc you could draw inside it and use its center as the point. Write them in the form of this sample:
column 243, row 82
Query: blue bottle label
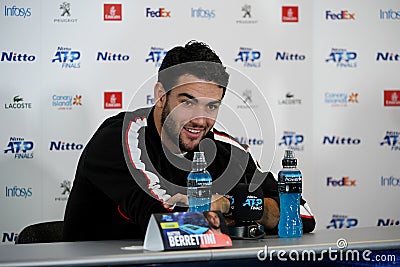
column 199, row 191
column 290, row 182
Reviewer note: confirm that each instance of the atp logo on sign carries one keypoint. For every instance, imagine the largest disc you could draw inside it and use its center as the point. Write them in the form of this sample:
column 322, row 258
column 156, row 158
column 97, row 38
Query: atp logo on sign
column 342, row 221
column 253, row 203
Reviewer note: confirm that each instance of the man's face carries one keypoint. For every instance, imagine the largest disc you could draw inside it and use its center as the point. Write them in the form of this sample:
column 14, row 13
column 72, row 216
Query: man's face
column 189, row 112
column 213, row 220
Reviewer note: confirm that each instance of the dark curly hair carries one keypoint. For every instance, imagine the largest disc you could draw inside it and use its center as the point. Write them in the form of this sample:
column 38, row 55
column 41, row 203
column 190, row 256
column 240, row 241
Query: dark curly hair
column 195, row 58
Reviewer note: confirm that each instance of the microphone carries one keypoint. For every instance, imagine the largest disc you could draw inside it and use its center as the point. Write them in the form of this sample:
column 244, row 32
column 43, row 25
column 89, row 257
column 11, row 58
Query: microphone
column 247, row 208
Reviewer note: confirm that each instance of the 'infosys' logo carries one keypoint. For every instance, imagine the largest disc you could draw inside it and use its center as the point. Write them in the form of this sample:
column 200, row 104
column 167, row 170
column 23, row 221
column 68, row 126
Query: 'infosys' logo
column 390, row 181
column 14, row 11
column 202, row 13
column 389, row 14
column 20, row 192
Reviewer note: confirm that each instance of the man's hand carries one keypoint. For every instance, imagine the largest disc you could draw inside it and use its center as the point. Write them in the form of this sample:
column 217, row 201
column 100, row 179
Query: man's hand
column 220, row 203
column 177, row 199
column 270, row 216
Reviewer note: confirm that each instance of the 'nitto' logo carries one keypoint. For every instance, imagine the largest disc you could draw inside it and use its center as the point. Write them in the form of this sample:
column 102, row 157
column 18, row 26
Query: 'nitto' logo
column 64, row 146
column 337, row 140
column 388, row 222
column 287, row 56
column 109, row 56
column 16, row 57
column 387, row 56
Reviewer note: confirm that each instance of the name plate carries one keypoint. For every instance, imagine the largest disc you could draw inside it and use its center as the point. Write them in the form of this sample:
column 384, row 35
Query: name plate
column 186, row 230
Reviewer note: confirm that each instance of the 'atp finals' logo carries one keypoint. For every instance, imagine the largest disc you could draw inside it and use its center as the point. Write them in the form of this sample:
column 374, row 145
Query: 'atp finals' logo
column 20, row 148
column 249, row 57
column 156, row 56
column 391, row 139
column 342, row 58
column 68, row 58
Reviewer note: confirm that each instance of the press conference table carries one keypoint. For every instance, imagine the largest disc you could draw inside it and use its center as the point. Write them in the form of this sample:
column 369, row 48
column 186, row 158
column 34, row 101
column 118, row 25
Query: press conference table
column 111, row 253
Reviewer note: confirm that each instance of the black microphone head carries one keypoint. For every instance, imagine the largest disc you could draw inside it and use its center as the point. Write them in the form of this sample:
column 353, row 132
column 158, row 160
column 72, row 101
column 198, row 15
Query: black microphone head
column 248, row 207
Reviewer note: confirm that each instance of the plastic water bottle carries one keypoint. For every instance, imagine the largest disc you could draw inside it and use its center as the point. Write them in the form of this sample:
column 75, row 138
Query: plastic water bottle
column 290, row 188
column 199, row 183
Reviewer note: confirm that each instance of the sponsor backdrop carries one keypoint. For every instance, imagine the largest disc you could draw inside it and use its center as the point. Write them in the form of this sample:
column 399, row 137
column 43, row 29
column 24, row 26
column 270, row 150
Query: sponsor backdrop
column 327, row 74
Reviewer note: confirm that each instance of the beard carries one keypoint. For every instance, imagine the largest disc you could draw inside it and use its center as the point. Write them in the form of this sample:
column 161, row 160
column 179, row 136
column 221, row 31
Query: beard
column 215, row 227
column 171, row 129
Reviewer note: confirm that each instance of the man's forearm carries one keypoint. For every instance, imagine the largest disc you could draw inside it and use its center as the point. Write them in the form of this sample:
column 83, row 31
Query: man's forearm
column 270, row 217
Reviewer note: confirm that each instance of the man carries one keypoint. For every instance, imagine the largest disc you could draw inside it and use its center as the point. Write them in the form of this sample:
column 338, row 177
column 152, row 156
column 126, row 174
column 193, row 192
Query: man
column 137, row 162
column 214, row 222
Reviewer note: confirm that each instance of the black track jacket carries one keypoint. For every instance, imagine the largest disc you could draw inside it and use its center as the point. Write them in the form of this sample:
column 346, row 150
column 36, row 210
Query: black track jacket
column 124, row 175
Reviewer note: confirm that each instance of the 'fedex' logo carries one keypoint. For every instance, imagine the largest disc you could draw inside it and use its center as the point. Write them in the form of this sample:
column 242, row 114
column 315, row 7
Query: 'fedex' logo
column 342, row 15
column 160, row 13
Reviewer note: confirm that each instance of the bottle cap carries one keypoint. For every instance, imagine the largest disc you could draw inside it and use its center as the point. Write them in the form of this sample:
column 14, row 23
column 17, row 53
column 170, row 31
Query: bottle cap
column 199, row 157
column 289, row 160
